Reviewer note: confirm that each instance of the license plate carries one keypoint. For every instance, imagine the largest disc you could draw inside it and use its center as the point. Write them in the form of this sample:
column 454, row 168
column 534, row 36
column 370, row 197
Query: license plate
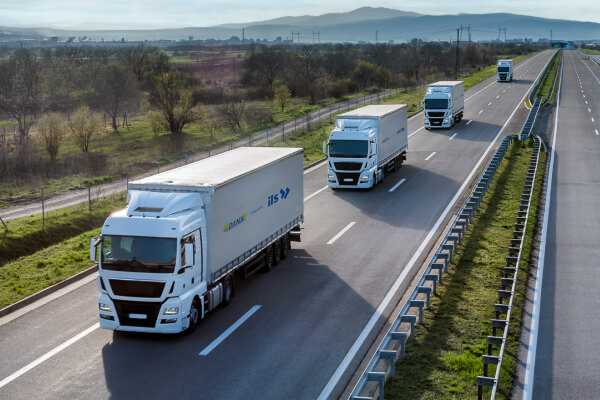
column 138, row 316
column 348, row 180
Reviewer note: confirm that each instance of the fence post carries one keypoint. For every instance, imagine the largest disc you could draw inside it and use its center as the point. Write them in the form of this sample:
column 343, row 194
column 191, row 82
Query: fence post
column 127, row 180
column 283, row 132
column 295, row 124
column 157, row 167
column 250, row 139
column 43, row 213
column 186, row 158
column 89, row 196
column 329, row 114
column 3, row 224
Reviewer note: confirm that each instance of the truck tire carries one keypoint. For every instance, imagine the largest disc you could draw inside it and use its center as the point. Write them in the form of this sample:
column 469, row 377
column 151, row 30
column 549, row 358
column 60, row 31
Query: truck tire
column 285, row 246
column 227, row 290
column 276, row 252
column 194, row 315
column 268, row 258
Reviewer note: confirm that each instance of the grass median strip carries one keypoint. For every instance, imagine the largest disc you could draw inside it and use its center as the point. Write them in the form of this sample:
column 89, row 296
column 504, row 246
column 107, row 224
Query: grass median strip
column 445, row 358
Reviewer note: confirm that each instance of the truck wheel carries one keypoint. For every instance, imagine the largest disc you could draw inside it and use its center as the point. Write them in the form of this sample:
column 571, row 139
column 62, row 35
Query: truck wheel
column 194, row 315
column 227, row 291
column 268, row 258
column 276, row 252
column 285, row 246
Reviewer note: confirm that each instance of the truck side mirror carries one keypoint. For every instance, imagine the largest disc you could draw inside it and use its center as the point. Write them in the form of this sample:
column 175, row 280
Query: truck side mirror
column 325, row 143
column 189, row 255
column 422, row 103
column 93, row 249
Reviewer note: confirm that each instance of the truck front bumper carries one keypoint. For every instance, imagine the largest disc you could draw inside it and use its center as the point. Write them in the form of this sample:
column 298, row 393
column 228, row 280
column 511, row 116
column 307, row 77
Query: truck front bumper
column 443, row 122
column 135, row 316
column 350, row 180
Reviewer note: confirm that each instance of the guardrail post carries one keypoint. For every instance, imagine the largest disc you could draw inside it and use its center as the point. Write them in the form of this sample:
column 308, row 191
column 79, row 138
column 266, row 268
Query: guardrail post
column 402, row 337
column 390, row 355
column 380, row 378
column 43, row 213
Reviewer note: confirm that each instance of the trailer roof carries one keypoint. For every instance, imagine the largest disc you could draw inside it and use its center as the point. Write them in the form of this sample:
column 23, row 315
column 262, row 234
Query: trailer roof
column 447, row 83
column 378, row 110
column 215, row 171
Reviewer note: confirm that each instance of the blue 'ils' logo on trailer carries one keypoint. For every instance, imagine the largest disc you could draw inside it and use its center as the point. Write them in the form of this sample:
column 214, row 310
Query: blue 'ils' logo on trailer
column 399, row 131
column 274, row 198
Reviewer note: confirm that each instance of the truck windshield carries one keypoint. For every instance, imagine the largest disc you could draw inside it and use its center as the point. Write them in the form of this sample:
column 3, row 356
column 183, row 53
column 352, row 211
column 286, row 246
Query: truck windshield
column 139, row 254
column 503, row 69
column 349, row 148
column 436, row 104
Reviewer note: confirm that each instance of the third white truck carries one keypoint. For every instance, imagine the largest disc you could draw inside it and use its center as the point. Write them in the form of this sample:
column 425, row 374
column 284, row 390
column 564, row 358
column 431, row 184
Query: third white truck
column 173, row 254
column 504, row 70
column 365, row 144
column 443, row 104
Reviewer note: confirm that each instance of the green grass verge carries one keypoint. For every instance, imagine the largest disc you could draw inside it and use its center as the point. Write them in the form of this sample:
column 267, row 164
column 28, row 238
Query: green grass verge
column 590, row 51
column 444, row 359
column 548, row 79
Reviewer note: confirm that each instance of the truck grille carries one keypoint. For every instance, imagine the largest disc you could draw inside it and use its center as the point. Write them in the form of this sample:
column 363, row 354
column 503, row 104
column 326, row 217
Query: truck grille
column 125, row 309
column 347, row 178
column 436, row 121
column 435, row 114
column 136, row 288
column 348, row 166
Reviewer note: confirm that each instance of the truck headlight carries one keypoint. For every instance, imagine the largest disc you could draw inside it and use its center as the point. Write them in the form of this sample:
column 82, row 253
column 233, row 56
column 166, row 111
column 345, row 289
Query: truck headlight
column 364, row 177
column 331, row 176
column 426, row 120
column 171, row 311
column 105, row 307
column 446, row 121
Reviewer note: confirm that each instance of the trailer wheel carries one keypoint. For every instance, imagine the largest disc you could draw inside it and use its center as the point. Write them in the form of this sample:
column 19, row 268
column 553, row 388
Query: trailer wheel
column 227, row 291
column 276, row 252
column 194, row 315
column 269, row 258
column 285, row 246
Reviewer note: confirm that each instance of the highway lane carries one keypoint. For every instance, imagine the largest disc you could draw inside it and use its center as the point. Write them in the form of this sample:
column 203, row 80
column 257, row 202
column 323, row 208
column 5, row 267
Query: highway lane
column 313, row 306
column 566, row 365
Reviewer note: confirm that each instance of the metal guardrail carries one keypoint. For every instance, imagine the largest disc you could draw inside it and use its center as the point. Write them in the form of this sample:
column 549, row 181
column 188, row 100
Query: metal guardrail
column 526, row 130
column 540, row 79
column 509, row 281
column 393, row 344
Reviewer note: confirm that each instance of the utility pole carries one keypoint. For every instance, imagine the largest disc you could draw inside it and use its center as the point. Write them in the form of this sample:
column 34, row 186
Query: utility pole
column 376, row 36
column 243, row 35
column 457, row 52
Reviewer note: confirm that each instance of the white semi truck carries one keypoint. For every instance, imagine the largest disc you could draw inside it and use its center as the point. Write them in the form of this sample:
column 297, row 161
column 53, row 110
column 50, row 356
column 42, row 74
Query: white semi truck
column 504, row 71
column 365, row 144
column 443, row 104
column 171, row 256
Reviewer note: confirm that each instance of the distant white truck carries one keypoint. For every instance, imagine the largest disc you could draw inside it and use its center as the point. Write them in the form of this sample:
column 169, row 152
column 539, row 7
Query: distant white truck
column 443, row 104
column 170, row 257
column 504, row 71
column 365, row 144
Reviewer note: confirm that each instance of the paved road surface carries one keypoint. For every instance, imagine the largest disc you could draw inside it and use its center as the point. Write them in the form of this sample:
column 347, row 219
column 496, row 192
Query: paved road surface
column 313, row 305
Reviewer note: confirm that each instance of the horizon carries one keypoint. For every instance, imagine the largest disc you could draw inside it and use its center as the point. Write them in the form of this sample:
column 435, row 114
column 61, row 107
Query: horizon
column 84, row 11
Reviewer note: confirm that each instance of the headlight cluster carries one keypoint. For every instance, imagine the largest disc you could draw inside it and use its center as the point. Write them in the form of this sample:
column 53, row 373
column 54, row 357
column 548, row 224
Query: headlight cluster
column 364, row 177
column 171, row 311
column 105, row 307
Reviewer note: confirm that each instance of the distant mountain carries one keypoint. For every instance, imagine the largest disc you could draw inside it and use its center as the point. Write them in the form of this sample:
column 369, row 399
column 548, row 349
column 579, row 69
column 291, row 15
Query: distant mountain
column 354, row 26
column 359, row 15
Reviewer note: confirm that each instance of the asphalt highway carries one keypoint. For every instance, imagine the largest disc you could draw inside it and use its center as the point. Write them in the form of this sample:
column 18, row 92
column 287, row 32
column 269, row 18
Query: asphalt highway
column 567, row 365
column 313, row 307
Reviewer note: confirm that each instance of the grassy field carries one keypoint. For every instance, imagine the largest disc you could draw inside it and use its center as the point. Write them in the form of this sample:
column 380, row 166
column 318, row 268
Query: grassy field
column 590, row 51
column 445, row 358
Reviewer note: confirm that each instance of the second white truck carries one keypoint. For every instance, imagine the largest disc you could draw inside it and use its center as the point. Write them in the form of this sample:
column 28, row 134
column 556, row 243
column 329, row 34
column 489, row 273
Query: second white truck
column 365, row 144
column 504, row 71
column 444, row 104
column 172, row 255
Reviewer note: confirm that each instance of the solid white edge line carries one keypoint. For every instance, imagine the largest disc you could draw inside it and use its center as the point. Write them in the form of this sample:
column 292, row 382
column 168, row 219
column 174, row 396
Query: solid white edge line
column 397, row 184
column 431, row 155
column 315, row 193
column 340, row 233
column 412, row 134
column 48, row 355
column 229, row 331
column 453, row 136
column 330, row 385
column 535, row 313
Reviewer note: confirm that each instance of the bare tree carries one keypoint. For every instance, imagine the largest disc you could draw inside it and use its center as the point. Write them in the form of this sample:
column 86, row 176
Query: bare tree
column 22, row 95
column 232, row 113
column 115, row 91
column 308, row 70
column 174, row 102
column 51, row 131
column 282, row 96
column 83, row 125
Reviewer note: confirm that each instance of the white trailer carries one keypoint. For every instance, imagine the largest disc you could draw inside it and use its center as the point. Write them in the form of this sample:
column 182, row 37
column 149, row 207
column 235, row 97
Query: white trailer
column 172, row 255
column 365, row 144
column 443, row 104
column 504, row 70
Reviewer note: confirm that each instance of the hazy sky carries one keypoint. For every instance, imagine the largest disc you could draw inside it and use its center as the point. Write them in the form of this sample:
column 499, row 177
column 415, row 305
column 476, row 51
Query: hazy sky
column 136, row 14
